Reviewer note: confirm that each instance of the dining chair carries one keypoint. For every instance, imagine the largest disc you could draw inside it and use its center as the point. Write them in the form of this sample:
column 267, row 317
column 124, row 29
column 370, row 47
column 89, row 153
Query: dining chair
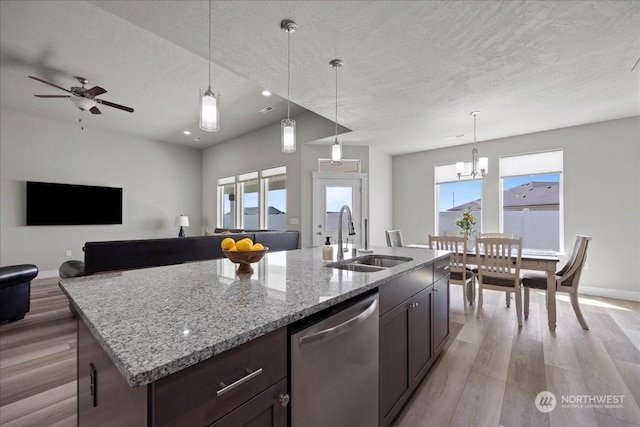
column 459, row 273
column 394, row 238
column 567, row 279
column 498, row 235
column 499, row 269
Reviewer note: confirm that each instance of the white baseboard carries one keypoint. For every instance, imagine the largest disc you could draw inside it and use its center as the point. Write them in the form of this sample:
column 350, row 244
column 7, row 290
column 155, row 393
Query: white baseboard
column 48, row 274
column 610, row 293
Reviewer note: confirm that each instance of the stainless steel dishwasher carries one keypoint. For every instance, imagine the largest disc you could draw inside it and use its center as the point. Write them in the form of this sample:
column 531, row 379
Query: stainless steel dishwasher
column 334, row 368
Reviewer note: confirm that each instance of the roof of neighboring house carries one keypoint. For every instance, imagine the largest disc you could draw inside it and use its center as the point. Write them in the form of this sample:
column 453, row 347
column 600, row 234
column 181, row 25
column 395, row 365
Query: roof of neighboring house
column 254, row 211
column 530, row 194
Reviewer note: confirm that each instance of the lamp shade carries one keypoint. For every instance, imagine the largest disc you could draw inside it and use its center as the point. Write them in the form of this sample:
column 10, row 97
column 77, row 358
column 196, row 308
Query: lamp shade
column 288, row 136
column 209, row 110
column 336, row 152
column 483, row 165
column 181, row 221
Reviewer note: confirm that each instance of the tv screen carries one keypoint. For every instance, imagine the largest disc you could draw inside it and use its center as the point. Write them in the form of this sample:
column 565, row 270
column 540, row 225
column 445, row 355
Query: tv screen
column 67, row 204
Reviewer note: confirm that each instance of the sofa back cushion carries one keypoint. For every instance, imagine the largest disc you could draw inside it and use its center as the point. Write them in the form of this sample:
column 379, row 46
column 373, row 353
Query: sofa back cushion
column 132, row 254
column 277, row 240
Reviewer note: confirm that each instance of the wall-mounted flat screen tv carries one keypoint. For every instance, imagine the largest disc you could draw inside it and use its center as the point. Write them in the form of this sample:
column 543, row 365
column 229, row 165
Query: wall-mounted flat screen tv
column 68, row 204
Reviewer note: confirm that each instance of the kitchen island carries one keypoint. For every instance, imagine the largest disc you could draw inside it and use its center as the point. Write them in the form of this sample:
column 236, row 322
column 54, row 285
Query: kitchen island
column 157, row 324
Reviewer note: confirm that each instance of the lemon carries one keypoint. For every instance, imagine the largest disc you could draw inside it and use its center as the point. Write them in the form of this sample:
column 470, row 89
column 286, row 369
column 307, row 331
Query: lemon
column 233, row 249
column 244, row 245
column 257, row 247
column 227, row 243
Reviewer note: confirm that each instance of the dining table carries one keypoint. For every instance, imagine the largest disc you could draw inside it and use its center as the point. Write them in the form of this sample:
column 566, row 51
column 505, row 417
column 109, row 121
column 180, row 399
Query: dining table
column 538, row 260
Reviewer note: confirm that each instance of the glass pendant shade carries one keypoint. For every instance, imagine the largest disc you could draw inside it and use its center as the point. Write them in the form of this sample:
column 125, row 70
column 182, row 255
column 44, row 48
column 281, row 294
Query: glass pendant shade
column 483, row 165
column 209, row 110
column 336, row 152
column 288, row 136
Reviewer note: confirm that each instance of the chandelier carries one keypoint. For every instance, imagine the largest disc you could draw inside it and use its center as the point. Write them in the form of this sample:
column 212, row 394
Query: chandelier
column 479, row 166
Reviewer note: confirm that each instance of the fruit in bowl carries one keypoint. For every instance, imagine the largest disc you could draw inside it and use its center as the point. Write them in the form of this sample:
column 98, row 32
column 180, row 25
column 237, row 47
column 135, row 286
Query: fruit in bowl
column 243, row 252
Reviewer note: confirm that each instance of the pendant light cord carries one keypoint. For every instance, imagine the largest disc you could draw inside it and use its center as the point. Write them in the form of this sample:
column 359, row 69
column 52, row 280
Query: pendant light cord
column 336, row 102
column 209, row 44
column 288, row 71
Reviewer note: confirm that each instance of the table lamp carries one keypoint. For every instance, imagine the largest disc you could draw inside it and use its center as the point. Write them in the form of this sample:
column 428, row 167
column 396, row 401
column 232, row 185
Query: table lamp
column 181, row 221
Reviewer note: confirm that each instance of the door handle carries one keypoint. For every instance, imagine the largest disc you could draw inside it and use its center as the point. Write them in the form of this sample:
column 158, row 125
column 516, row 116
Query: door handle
column 327, row 334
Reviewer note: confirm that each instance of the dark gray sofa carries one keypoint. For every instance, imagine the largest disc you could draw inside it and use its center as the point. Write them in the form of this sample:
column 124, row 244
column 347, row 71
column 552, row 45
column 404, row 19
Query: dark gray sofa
column 133, row 254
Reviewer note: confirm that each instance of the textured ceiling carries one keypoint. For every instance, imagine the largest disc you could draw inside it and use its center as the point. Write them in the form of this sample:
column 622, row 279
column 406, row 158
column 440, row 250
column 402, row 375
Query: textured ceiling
column 413, row 70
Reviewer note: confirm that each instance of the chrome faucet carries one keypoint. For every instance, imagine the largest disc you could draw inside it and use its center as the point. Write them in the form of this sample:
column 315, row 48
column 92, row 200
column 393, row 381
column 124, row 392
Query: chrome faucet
column 352, row 230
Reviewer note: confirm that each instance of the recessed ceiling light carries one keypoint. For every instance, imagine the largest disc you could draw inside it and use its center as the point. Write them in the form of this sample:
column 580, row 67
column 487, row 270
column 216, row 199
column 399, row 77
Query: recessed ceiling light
column 266, row 93
column 265, row 109
column 197, row 139
column 450, row 137
column 186, row 132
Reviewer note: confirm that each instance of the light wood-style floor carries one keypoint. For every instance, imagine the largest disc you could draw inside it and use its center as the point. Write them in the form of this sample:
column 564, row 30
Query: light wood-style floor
column 489, row 374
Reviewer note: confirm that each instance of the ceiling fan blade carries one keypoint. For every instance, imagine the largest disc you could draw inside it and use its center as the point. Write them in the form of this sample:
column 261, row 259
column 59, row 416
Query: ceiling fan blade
column 53, row 96
column 94, row 110
column 94, row 91
column 50, row 84
column 111, row 104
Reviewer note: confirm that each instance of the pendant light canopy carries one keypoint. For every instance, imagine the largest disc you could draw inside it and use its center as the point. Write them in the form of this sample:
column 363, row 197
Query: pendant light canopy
column 288, row 128
column 336, row 147
column 479, row 166
column 209, row 100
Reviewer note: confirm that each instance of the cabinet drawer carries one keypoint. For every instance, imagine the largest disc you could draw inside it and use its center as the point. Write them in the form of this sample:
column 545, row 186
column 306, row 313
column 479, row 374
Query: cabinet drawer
column 441, row 268
column 404, row 287
column 201, row 394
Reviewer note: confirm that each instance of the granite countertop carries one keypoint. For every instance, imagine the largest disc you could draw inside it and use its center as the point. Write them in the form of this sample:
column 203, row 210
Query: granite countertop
column 156, row 321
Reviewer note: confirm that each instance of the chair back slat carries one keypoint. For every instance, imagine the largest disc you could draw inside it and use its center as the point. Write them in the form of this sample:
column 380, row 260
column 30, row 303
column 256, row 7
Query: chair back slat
column 499, row 257
column 458, row 248
column 394, row 238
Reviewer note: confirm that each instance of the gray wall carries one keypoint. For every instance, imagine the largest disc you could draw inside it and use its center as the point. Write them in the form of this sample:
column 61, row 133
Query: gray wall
column 260, row 150
column 159, row 181
column 601, row 196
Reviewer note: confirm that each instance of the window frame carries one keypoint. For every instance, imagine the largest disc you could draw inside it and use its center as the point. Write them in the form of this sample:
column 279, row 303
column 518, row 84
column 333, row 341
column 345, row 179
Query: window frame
column 528, row 165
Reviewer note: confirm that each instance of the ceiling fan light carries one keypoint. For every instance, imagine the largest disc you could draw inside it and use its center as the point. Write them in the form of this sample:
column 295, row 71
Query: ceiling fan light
column 209, row 110
column 83, row 103
column 288, row 136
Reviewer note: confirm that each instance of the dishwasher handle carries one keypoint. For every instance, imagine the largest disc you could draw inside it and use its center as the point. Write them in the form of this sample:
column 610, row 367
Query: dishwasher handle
column 329, row 333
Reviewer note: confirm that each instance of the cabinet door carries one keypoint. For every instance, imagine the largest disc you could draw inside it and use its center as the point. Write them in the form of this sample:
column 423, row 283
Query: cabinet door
column 440, row 312
column 268, row 409
column 419, row 334
column 394, row 361
column 104, row 397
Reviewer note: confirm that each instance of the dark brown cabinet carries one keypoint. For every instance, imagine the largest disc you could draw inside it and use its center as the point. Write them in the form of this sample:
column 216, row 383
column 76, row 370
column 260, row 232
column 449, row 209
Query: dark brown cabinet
column 411, row 335
column 246, row 385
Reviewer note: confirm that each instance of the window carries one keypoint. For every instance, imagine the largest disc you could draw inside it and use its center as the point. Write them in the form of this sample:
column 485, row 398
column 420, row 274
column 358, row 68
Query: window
column 226, row 202
column 248, row 192
column 254, row 200
column 274, row 184
column 531, row 201
column 453, row 196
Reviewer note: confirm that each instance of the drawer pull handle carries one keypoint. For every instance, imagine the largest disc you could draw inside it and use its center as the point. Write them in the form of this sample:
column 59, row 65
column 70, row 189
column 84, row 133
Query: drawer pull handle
column 251, row 374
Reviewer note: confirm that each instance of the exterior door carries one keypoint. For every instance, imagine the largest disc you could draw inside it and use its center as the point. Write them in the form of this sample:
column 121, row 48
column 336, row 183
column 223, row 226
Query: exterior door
column 331, row 192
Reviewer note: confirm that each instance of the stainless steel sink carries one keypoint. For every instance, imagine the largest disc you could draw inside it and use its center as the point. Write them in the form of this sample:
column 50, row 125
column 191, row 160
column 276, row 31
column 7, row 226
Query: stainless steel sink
column 369, row 263
column 363, row 268
column 382, row 260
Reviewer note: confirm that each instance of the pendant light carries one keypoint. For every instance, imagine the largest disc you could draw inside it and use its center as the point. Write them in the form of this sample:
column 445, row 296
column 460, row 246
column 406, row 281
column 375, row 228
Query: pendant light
column 288, row 128
column 209, row 100
column 336, row 147
column 479, row 166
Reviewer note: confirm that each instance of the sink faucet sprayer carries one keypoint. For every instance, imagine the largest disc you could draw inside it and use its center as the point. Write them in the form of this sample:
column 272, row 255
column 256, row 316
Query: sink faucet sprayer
column 352, row 230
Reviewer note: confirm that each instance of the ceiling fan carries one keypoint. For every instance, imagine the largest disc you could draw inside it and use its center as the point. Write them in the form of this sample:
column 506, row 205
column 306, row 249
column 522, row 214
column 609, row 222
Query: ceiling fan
column 83, row 98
